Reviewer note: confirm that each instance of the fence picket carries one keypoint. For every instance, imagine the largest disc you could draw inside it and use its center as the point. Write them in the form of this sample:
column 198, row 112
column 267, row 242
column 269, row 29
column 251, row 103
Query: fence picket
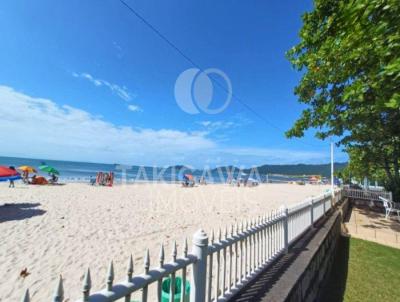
column 59, row 292
column 129, row 273
column 159, row 282
column 87, row 284
column 26, row 297
column 110, row 276
column 172, row 283
column 230, row 262
column 146, row 271
column 183, row 286
column 218, row 268
column 210, row 271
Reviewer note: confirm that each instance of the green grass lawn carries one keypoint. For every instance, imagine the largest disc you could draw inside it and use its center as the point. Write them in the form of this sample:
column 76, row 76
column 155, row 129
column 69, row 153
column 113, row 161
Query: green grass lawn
column 364, row 271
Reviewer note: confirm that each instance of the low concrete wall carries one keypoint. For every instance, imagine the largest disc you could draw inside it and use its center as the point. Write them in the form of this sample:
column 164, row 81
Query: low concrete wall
column 316, row 264
column 304, row 278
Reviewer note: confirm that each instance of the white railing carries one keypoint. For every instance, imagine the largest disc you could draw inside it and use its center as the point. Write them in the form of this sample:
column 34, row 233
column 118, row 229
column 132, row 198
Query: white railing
column 219, row 267
column 235, row 259
column 376, row 188
column 304, row 215
column 370, row 195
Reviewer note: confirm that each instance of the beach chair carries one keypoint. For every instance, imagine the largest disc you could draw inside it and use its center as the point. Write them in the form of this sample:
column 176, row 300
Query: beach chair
column 188, row 183
column 104, row 179
column 53, row 180
column 389, row 208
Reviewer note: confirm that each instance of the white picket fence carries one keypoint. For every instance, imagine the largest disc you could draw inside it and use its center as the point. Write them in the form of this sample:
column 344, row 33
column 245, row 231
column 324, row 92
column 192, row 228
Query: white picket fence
column 221, row 265
column 370, row 195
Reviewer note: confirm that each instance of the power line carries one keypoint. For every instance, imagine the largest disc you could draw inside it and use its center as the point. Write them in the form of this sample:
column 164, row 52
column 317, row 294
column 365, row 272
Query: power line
column 155, row 30
column 187, row 58
column 159, row 33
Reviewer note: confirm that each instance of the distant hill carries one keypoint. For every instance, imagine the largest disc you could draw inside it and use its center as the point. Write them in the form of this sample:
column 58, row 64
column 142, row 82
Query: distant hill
column 300, row 169
column 179, row 168
column 225, row 169
column 295, row 169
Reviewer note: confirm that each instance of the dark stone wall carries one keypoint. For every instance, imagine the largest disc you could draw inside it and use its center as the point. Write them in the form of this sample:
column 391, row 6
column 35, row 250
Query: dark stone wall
column 318, row 261
column 309, row 283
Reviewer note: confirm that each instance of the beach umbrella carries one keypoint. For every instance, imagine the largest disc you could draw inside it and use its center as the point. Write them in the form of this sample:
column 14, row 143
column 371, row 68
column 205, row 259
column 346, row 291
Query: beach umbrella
column 188, row 176
column 7, row 173
column 28, row 169
column 48, row 169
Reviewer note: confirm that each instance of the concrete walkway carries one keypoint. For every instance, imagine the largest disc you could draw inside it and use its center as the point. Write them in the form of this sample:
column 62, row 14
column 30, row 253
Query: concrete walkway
column 370, row 224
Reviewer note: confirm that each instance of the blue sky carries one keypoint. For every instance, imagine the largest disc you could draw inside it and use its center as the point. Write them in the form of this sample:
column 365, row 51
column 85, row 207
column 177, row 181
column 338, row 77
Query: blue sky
column 87, row 80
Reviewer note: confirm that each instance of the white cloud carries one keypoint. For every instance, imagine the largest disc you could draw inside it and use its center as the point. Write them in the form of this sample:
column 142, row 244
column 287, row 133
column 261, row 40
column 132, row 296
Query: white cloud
column 34, row 127
column 40, row 128
column 122, row 92
column 223, row 125
column 217, row 125
column 118, row 48
column 134, row 108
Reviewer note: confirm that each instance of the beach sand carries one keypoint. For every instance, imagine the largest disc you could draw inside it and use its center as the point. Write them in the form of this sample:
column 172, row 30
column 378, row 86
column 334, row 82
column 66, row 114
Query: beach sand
column 54, row 230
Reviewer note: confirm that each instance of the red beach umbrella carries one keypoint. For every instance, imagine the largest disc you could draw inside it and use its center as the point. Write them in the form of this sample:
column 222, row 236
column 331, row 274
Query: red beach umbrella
column 8, row 174
column 6, row 171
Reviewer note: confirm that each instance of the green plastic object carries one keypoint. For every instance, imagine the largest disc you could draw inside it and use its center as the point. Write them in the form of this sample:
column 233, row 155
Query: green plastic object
column 166, row 286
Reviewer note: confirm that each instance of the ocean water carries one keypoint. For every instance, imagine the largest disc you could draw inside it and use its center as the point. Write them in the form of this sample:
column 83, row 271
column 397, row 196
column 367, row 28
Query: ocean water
column 82, row 171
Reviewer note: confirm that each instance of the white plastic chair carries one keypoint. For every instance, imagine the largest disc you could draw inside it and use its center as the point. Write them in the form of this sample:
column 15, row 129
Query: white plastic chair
column 389, row 208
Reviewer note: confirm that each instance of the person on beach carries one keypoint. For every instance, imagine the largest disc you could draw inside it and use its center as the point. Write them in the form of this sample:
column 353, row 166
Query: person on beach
column 53, row 178
column 105, row 179
column 25, row 177
column 11, row 185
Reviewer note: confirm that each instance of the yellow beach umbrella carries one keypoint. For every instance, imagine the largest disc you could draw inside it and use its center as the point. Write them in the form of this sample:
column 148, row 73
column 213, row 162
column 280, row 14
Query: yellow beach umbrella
column 28, row 169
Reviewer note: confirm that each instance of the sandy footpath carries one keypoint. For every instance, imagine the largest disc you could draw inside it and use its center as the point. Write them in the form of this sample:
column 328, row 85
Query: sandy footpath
column 54, row 230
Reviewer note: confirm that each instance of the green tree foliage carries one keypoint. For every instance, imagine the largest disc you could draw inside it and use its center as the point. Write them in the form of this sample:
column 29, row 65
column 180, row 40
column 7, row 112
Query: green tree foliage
column 349, row 55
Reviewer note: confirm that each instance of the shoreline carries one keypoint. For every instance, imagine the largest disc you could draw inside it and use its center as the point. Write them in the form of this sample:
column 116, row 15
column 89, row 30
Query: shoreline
column 63, row 181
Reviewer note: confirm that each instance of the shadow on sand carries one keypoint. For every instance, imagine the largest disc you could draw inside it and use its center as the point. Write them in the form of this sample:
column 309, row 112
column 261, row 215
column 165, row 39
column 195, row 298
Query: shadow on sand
column 19, row 211
column 377, row 219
